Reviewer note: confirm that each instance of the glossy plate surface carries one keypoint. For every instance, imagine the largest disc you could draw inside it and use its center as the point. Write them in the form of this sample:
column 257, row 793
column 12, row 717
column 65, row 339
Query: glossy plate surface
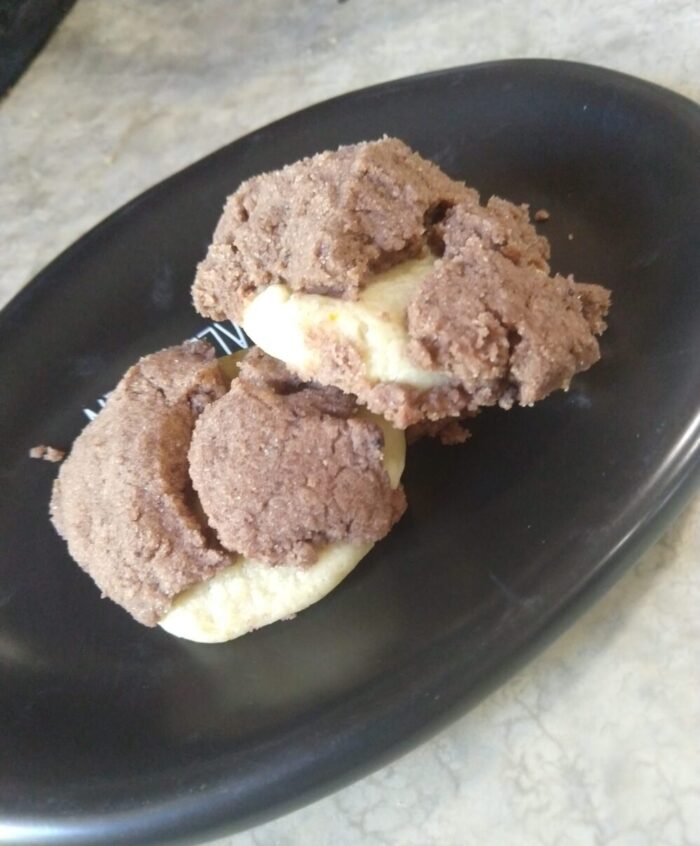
column 113, row 732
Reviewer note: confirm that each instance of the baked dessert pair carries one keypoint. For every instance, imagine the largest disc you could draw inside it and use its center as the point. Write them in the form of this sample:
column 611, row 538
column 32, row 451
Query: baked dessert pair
column 213, row 497
column 214, row 505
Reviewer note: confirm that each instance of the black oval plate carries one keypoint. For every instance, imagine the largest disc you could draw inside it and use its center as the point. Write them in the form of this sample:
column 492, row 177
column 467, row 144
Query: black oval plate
column 112, row 732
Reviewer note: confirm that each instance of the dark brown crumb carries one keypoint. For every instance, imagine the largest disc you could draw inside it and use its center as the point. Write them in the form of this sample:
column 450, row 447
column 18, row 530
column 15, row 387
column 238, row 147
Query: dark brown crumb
column 283, row 468
column 323, row 224
column 489, row 316
column 47, row 453
column 449, row 432
column 510, row 333
column 500, row 226
column 122, row 499
column 260, row 369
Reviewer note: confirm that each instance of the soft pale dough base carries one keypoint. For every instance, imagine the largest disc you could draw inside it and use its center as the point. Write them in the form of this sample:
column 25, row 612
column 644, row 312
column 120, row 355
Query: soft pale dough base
column 282, row 323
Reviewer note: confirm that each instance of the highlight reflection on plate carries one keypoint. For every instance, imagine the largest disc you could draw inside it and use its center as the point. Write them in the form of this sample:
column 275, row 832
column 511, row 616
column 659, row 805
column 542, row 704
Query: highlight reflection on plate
column 112, row 730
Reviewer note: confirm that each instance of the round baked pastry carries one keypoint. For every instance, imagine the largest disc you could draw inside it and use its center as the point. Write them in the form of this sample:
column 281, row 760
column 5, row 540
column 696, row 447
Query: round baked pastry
column 213, row 510
column 371, row 270
column 299, row 481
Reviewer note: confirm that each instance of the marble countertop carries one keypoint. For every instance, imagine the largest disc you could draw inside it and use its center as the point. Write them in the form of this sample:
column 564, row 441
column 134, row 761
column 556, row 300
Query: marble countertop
column 595, row 741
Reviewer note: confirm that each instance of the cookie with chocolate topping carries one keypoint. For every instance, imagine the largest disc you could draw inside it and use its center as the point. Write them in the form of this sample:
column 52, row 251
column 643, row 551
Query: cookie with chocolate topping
column 284, row 469
column 364, row 269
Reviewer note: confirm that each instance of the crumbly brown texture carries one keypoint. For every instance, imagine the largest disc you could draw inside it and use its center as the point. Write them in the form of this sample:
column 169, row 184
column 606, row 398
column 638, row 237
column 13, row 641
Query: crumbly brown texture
column 448, row 431
column 487, row 252
column 501, row 227
column 47, row 453
column 283, row 468
column 489, row 315
column 263, row 371
column 122, row 499
column 541, row 215
column 323, row 225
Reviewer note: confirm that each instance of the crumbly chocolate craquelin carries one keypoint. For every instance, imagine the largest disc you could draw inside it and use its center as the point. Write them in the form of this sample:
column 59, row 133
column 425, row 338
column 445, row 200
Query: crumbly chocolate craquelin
column 121, row 499
column 283, row 468
column 488, row 317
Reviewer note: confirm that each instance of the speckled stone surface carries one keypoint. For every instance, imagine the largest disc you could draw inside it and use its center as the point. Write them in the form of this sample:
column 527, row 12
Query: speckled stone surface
column 595, row 742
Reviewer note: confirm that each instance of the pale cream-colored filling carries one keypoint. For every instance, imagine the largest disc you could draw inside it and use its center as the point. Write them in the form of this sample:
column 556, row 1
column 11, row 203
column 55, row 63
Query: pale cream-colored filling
column 250, row 594
column 284, row 323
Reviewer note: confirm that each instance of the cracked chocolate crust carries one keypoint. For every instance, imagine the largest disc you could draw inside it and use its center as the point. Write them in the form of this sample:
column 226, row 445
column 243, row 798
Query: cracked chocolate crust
column 489, row 317
column 323, row 225
column 122, row 497
column 124, row 500
column 283, row 468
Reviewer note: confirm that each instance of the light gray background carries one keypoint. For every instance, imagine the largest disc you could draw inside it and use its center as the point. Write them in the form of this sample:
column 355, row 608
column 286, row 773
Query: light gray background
column 595, row 742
